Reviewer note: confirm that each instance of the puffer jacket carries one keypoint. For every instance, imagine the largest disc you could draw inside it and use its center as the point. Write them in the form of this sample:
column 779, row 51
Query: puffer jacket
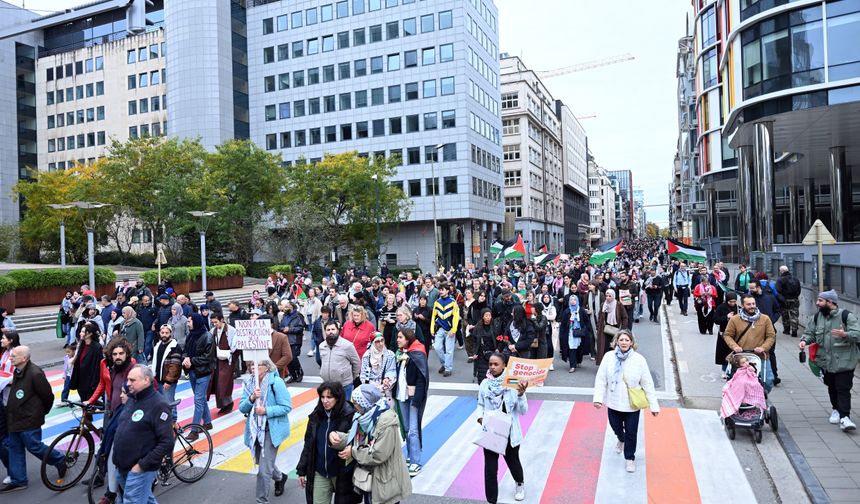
column 834, row 354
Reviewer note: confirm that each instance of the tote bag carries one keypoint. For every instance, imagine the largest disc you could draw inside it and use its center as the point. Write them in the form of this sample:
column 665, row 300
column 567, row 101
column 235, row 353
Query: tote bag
column 495, row 430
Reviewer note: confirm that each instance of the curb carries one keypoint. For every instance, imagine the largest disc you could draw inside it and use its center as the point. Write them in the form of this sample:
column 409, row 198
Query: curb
column 798, row 462
column 674, row 357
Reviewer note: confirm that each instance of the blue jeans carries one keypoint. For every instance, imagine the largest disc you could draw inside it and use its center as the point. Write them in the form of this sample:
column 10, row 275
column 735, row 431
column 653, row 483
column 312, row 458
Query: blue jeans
column 444, row 345
column 148, row 344
column 64, row 396
column 136, row 487
column 169, row 395
column 410, row 422
column 70, row 336
column 347, row 389
column 768, row 376
column 201, row 406
column 31, row 441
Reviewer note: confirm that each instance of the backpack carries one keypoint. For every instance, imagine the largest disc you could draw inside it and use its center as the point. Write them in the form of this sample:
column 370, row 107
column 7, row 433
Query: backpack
column 792, row 287
column 844, row 321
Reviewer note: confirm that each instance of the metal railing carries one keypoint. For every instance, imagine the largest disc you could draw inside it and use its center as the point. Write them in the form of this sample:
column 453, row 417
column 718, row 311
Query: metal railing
column 845, row 279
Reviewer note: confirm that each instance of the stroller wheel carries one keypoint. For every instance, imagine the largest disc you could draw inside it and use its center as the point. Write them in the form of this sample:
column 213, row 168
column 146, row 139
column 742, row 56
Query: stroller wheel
column 757, row 435
column 774, row 418
column 730, row 431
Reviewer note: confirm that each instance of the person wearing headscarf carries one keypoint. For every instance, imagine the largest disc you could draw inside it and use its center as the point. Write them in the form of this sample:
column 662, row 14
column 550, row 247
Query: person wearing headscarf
column 410, row 390
column 722, row 315
column 132, row 330
column 199, row 362
column 373, row 441
column 574, row 332
column 267, row 404
column 179, row 323
column 378, row 366
column 612, row 313
column 621, row 369
column 113, row 325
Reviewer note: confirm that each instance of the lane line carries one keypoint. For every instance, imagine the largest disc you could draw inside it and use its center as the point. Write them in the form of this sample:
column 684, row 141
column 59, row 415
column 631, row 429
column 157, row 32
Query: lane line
column 576, row 468
column 670, row 473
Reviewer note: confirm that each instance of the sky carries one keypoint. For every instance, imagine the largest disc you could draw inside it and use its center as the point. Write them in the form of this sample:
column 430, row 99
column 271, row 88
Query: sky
column 635, row 127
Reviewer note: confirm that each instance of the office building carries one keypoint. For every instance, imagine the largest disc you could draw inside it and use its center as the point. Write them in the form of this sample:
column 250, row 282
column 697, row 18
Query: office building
column 602, row 204
column 684, row 189
column 418, row 81
column 575, row 169
column 623, row 180
column 533, row 156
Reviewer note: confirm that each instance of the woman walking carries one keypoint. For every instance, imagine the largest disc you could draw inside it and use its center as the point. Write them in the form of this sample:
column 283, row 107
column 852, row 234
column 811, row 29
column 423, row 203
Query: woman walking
column 199, row 362
column 267, row 404
column 624, row 370
column 611, row 319
column 574, row 333
column 85, row 373
column 410, row 390
column 705, row 296
column 422, row 316
column 387, row 321
column 378, row 366
column 494, row 399
column 179, row 322
column 551, row 314
column 373, row 440
column 321, row 472
column 521, row 334
column 486, row 343
column 593, row 301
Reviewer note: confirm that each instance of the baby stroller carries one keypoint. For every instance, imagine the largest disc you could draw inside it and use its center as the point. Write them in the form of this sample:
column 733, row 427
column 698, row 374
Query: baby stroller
column 744, row 403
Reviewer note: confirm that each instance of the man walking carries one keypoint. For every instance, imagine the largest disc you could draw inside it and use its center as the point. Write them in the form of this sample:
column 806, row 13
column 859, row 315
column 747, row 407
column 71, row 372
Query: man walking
column 681, row 281
column 294, row 327
column 443, row 323
column 750, row 330
column 789, row 287
column 837, row 332
column 143, row 438
column 339, row 361
column 30, row 400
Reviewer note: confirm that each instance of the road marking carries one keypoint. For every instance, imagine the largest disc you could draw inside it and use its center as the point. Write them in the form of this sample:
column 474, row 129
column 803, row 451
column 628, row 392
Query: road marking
column 670, row 473
column 682, row 367
column 612, row 472
column 577, row 461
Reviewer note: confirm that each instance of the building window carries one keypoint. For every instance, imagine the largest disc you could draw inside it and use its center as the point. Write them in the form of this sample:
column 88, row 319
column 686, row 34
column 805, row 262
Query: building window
column 283, row 52
column 315, row 136
column 132, row 107
column 446, row 20
column 392, row 30
column 446, row 53
column 358, row 37
column 346, row 131
column 511, row 127
column 283, row 22
column 268, row 83
column 361, row 129
column 511, row 152
column 446, row 85
column 298, row 78
column 296, row 19
column 268, row 26
column 154, row 77
column 132, row 79
column 427, row 23
column 357, row 7
column 432, row 185
column 270, row 112
column 449, row 119
column 345, row 101
column 343, row 40
column 284, row 110
column 410, row 59
column 360, row 67
column 449, row 152
column 514, row 204
column 342, row 9
column 429, row 88
column 298, row 49
column 132, row 132
column 513, row 178
column 393, row 62
column 313, row 76
column 300, row 137
column 361, row 99
column 284, row 81
column 394, row 94
column 510, row 100
column 411, row 91
column 131, row 57
column 100, row 113
column 376, row 65
column 328, row 73
column 410, row 27
column 413, row 155
column 710, row 73
column 415, row 188
column 709, row 27
column 395, row 126
column 326, row 13
column 377, row 96
column 343, row 71
column 89, row 65
column 329, row 103
column 412, row 123
column 428, row 56
column 299, row 108
column 375, row 33
column 100, row 63
column 268, row 54
column 286, row 140
column 450, row 185
column 378, row 127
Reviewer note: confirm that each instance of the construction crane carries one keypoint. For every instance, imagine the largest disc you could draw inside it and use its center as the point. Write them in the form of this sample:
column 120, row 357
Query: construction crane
column 585, row 116
column 588, row 65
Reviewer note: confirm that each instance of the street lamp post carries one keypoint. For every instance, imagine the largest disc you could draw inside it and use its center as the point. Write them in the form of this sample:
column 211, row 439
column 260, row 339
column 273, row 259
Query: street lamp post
column 90, row 223
column 375, row 177
column 62, row 206
column 435, row 187
column 203, row 223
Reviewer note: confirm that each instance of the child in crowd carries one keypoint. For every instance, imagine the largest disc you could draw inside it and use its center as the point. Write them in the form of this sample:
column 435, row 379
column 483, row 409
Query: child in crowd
column 68, row 364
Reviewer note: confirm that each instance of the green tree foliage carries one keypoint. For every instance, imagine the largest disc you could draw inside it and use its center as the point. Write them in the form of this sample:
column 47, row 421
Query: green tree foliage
column 343, row 189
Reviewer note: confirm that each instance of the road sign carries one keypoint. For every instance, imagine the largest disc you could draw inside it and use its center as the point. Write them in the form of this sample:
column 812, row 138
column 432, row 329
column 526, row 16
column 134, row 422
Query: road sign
column 818, row 232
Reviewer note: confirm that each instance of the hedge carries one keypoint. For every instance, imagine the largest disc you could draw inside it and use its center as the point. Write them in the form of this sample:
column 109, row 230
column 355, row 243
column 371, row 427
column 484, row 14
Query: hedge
column 191, row 273
column 58, row 277
column 286, row 269
column 7, row 285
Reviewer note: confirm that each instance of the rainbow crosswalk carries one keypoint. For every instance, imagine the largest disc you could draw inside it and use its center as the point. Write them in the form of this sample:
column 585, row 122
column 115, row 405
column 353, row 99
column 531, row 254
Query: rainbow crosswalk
column 568, row 451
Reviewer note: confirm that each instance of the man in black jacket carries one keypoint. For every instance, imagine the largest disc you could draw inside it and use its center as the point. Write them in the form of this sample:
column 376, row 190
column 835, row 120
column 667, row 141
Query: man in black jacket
column 148, row 315
column 293, row 326
column 30, row 399
column 143, row 438
column 654, row 292
column 768, row 304
column 789, row 288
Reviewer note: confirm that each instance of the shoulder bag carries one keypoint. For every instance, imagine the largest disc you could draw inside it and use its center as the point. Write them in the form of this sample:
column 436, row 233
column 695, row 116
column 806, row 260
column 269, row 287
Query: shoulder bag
column 638, row 399
column 362, row 478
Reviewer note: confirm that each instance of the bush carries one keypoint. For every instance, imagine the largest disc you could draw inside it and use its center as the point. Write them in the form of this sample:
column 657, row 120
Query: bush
column 7, row 284
column 191, row 273
column 145, row 260
column 58, row 277
column 286, row 269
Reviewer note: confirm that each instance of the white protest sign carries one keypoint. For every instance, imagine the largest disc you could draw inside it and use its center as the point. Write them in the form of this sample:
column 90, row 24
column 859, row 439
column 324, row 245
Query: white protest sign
column 253, row 334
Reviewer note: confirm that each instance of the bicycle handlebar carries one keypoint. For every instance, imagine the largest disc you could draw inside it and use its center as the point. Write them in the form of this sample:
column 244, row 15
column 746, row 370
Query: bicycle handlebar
column 95, row 407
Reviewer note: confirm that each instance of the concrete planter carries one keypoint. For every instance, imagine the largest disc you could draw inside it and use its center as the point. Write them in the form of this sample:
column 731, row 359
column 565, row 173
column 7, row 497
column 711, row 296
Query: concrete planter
column 7, row 301
column 53, row 295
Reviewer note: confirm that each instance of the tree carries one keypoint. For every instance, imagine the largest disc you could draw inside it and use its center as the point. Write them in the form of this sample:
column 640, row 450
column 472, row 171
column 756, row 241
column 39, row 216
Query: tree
column 304, row 232
column 245, row 185
column 343, row 188
column 652, row 230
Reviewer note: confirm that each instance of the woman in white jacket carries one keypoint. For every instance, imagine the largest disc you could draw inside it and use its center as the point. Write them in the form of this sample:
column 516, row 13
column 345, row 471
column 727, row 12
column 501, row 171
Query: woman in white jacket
column 621, row 369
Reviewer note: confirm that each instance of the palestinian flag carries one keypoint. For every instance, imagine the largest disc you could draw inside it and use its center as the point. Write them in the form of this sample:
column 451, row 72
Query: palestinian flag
column 300, row 293
column 511, row 249
column 496, row 247
column 606, row 252
column 547, row 258
column 680, row 250
column 543, row 249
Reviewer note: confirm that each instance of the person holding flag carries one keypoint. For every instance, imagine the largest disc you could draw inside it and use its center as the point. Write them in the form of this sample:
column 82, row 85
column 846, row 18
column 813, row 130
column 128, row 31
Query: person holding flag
column 606, row 252
column 511, row 249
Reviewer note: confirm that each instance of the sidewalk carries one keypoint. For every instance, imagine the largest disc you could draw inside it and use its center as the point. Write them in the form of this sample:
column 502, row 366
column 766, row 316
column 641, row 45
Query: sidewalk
column 827, row 460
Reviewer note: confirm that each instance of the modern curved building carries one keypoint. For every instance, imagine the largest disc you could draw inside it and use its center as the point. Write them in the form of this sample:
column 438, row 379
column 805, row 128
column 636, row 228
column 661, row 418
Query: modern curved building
column 778, row 106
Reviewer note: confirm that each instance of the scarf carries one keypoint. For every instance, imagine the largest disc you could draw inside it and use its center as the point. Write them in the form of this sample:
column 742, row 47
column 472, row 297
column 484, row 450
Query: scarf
column 402, row 385
column 376, row 359
column 609, row 308
column 175, row 319
column 752, row 319
column 495, row 391
column 574, row 313
column 256, row 423
column 620, row 357
column 515, row 333
column 367, row 421
column 410, row 324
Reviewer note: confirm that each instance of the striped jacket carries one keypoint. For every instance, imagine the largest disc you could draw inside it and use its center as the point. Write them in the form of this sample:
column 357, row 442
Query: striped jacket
column 446, row 315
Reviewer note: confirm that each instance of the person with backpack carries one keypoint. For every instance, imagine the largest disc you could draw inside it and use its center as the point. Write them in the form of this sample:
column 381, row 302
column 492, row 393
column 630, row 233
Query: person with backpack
column 789, row 287
column 836, row 332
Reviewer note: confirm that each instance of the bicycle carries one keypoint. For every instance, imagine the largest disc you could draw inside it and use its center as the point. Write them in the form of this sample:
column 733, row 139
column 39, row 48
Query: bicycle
column 76, row 445
column 189, row 462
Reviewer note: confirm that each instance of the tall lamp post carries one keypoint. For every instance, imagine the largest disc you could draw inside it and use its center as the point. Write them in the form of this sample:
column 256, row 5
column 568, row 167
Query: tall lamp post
column 435, row 187
column 375, row 178
column 202, row 223
column 62, row 206
column 90, row 223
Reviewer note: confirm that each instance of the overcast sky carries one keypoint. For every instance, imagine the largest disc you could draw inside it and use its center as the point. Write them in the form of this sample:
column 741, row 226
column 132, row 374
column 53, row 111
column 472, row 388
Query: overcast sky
column 636, row 123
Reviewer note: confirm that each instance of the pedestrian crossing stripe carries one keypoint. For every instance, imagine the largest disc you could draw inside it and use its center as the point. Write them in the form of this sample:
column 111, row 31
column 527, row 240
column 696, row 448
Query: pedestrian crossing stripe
column 568, row 451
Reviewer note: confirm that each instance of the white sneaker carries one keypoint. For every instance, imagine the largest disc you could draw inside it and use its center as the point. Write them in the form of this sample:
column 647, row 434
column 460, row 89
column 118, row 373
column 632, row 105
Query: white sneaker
column 834, row 417
column 846, row 424
column 619, row 447
column 310, row 353
column 521, row 492
column 631, row 466
column 7, row 480
column 552, row 367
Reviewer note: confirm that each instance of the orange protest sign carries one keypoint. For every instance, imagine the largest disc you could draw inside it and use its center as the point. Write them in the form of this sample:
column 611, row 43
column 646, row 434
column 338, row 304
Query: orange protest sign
column 531, row 371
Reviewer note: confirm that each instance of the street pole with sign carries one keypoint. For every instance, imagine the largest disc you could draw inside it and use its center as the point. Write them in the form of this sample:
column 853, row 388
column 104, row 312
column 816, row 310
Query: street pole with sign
column 819, row 235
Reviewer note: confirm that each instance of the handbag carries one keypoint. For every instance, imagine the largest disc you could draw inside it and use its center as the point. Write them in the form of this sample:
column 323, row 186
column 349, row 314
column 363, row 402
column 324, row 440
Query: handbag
column 495, row 429
column 636, row 395
column 362, row 478
column 611, row 330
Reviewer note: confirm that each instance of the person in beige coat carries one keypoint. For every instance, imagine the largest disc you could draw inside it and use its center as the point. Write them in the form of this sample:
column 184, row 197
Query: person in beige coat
column 611, row 313
column 378, row 424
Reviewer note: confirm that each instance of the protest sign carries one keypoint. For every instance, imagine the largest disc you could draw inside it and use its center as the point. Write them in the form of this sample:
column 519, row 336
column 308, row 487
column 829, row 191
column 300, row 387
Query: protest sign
column 253, row 334
column 5, row 379
column 531, row 371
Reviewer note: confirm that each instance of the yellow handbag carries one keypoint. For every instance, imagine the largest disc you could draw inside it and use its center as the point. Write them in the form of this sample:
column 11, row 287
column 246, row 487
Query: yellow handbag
column 638, row 400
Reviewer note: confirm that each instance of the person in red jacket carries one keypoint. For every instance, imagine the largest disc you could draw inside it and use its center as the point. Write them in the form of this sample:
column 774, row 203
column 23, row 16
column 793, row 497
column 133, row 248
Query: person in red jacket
column 358, row 330
column 705, row 295
column 113, row 373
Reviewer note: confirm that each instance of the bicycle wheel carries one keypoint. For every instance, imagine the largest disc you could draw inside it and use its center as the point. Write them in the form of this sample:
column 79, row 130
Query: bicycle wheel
column 77, row 450
column 191, row 458
column 91, row 488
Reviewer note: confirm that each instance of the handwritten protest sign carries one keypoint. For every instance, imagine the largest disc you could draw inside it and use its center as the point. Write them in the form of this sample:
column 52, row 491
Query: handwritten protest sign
column 253, row 334
column 531, row 371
